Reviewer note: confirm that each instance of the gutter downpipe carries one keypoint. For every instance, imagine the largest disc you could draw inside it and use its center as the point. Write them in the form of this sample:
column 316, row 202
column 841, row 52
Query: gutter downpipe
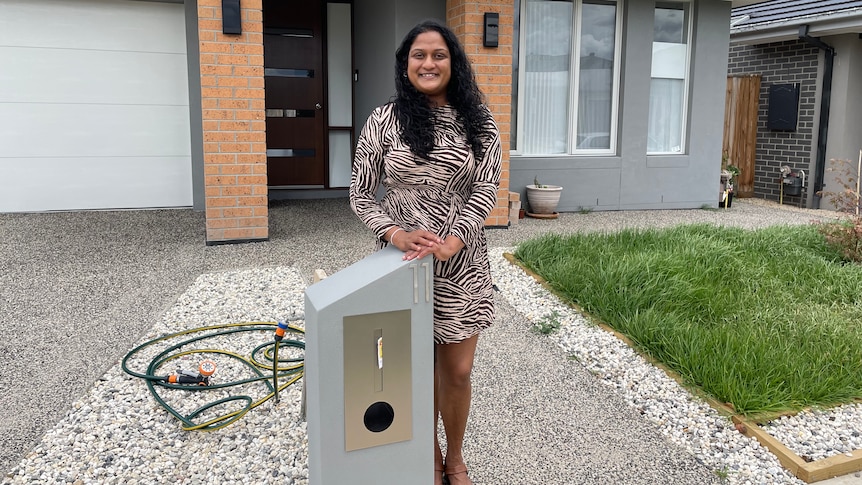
column 825, row 104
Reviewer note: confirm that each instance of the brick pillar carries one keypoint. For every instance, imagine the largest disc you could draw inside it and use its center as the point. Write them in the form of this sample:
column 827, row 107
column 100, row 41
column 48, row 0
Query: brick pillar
column 493, row 68
column 234, row 126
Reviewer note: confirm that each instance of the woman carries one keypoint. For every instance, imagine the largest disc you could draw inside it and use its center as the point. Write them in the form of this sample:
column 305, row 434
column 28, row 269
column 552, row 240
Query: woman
column 436, row 150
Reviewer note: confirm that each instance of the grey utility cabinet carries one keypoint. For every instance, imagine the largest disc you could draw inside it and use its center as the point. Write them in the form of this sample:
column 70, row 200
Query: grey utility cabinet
column 369, row 361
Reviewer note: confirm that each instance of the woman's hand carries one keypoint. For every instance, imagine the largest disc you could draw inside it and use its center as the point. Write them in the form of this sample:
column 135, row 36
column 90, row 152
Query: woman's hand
column 415, row 244
column 450, row 246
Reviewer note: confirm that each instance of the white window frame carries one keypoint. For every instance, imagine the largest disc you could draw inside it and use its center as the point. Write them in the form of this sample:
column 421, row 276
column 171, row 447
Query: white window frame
column 688, row 8
column 574, row 73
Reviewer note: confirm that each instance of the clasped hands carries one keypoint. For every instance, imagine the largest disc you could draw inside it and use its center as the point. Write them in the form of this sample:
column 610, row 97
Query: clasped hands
column 420, row 243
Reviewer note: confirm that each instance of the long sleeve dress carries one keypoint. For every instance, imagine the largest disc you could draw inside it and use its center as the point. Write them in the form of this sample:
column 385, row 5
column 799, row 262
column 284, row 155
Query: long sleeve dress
column 449, row 193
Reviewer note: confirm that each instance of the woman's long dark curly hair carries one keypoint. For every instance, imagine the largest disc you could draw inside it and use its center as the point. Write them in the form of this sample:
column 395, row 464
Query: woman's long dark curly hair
column 412, row 108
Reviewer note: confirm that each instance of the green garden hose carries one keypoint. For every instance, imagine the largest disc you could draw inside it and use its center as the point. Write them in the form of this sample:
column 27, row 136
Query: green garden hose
column 290, row 368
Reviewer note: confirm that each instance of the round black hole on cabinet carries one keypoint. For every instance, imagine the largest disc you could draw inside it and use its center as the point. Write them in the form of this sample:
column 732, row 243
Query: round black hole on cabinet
column 379, row 416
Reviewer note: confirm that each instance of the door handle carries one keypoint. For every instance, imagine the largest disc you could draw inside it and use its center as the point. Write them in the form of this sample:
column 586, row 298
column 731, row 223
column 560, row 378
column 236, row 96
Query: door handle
column 317, row 106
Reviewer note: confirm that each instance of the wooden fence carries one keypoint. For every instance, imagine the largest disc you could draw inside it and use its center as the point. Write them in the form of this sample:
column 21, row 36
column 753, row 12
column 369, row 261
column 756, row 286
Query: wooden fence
column 740, row 129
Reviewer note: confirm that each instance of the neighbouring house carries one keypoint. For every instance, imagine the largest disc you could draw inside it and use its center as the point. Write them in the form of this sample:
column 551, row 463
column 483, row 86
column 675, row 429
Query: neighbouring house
column 807, row 55
column 224, row 105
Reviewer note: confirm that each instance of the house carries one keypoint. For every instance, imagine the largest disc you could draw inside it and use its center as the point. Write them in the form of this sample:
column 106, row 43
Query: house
column 222, row 105
column 808, row 57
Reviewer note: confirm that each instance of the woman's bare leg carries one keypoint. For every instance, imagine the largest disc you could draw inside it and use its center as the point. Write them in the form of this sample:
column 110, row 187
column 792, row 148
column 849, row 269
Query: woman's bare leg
column 454, row 391
column 438, row 455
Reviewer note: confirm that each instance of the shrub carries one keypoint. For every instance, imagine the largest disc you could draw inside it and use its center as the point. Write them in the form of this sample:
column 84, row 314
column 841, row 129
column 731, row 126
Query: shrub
column 845, row 235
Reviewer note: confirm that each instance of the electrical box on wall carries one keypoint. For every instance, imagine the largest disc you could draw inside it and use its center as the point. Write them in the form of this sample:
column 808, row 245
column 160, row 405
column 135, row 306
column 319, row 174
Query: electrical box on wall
column 369, row 370
column 783, row 107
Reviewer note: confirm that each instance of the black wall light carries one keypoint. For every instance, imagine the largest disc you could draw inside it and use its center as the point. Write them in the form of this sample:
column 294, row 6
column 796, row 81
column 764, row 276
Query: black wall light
column 492, row 27
column 230, row 17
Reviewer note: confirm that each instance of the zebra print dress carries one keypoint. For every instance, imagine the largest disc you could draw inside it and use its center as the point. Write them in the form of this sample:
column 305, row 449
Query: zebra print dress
column 451, row 193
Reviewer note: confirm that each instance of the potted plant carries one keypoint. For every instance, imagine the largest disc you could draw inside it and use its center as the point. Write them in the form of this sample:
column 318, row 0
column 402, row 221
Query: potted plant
column 728, row 176
column 543, row 199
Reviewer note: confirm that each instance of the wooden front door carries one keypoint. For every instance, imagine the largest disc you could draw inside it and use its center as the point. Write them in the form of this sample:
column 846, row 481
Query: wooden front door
column 293, row 80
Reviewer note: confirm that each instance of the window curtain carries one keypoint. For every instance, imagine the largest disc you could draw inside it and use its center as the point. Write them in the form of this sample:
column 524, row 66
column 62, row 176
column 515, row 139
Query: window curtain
column 545, row 102
column 665, row 115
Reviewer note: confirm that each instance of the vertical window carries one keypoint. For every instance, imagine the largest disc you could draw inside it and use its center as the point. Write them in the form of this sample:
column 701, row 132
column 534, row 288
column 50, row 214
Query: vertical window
column 568, row 77
column 669, row 79
column 545, row 87
column 596, row 54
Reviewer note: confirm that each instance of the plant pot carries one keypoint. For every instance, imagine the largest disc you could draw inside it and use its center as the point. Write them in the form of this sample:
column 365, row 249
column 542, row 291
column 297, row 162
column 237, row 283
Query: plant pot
column 544, row 199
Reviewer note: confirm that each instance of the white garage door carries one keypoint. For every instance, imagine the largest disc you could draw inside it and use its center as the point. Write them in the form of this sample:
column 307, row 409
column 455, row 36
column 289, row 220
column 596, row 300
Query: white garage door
column 94, row 110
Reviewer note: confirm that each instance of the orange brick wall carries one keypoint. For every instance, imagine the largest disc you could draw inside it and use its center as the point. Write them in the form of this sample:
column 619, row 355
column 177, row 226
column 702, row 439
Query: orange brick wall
column 234, row 126
column 493, row 68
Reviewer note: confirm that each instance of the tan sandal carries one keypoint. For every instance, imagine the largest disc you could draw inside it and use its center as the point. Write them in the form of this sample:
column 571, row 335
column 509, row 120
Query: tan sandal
column 438, row 473
column 456, row 471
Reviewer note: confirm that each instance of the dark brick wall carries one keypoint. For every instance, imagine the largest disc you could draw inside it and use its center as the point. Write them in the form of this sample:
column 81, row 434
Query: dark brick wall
column 786, row 62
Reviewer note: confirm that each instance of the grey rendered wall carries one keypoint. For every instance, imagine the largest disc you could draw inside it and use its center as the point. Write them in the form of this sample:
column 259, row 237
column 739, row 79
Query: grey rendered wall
column 694, row 182
column 845, row 116
column 379, row 27
column 631, row 179
column 195, row 113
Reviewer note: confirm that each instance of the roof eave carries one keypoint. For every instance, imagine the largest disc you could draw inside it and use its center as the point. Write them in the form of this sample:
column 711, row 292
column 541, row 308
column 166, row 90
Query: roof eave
column 835, row 24
column 743, row 3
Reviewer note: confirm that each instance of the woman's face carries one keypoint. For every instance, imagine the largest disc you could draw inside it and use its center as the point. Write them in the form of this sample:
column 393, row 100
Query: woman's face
column 429, row 66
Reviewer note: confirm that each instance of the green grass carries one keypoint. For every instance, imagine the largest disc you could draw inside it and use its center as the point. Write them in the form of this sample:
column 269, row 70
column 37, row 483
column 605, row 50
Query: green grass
column 768, row 320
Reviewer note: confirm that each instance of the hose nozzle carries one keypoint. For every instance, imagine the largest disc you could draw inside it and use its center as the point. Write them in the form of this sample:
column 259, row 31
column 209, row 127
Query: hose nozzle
column 280, row 330
column 200, row 378
column 188, row 377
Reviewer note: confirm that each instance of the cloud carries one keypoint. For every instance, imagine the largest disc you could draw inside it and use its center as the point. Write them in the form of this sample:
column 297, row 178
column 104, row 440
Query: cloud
column 669, row 24
column 598, row 30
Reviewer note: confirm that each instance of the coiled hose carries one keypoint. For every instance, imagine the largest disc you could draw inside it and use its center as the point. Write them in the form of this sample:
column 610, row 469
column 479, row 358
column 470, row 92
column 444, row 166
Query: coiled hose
column 290, row 368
